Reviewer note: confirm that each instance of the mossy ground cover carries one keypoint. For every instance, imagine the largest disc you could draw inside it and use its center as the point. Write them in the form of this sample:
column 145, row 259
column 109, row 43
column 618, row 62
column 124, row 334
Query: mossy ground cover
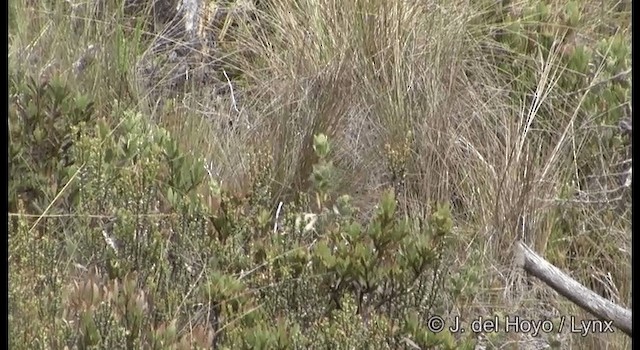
column 312, row 174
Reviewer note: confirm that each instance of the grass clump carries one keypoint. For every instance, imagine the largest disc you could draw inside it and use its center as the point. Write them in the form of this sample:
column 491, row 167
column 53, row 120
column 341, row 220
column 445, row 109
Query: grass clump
column 283, row 175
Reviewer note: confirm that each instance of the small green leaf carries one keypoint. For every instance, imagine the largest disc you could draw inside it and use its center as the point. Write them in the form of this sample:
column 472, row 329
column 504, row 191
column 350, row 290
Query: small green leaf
column 171, row 196
column 388, row 204
column 323, row 252
column 184, row 177
column 321, row 145
column 572, row 13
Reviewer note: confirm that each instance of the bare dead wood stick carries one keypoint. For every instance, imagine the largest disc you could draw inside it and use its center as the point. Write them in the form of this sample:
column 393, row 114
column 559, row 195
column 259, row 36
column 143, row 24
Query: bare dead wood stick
column 574, row 291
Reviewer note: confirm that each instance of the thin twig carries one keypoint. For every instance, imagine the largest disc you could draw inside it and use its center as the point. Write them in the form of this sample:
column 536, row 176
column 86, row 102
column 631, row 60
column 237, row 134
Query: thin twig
column 275, row 224
column 233, row 97
column 617, row 76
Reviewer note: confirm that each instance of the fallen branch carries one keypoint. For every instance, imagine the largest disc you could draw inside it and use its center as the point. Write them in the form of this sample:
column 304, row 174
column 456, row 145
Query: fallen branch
column 574, row 291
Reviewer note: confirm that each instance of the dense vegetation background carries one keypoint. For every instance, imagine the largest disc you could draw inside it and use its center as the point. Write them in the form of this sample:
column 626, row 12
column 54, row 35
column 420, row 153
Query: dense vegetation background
column 293, row 174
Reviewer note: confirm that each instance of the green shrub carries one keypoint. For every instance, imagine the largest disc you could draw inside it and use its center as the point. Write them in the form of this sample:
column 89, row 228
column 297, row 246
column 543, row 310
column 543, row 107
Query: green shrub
column 162, row 270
